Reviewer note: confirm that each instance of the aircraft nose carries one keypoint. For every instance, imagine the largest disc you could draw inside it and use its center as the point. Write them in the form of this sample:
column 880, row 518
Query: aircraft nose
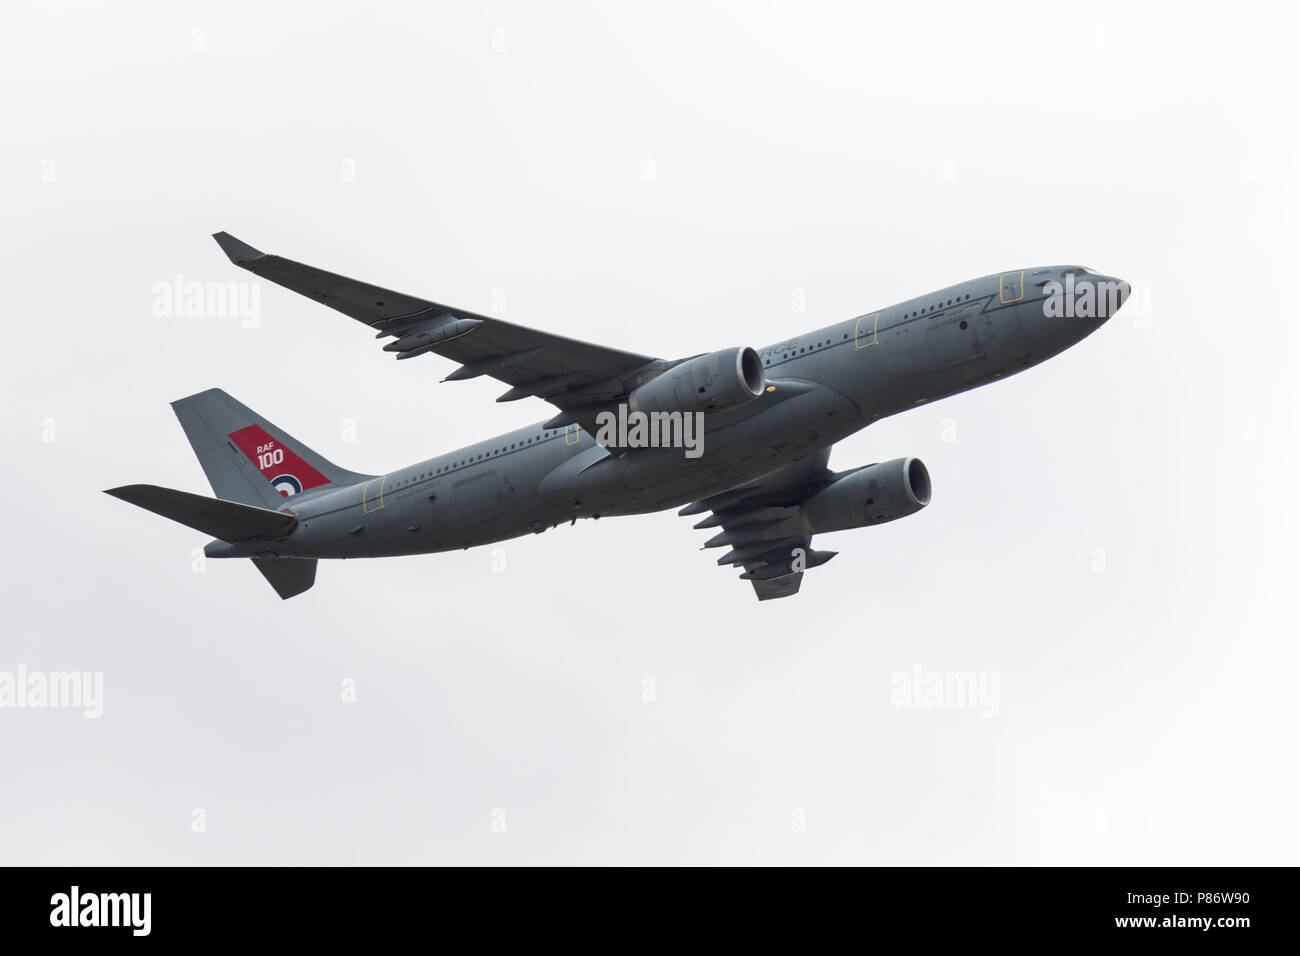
column 1112, row 295
column 1083, row 299
column 1109, row 293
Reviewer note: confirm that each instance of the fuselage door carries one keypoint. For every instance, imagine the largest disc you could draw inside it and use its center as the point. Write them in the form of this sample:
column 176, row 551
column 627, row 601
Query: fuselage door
column 372, row 496
column 865, row 331
column 1012, row 287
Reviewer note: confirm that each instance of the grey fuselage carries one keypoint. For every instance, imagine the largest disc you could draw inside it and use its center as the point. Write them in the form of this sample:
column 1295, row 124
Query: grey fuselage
column 822, row 386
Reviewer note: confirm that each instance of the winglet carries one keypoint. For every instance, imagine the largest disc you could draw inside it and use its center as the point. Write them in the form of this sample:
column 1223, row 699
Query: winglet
column 239, row 252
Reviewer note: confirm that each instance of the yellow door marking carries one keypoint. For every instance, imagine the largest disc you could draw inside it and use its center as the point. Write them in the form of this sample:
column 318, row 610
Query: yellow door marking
column 365, row 495
column 572, row 434
column 860, row 334
column 1018, row 285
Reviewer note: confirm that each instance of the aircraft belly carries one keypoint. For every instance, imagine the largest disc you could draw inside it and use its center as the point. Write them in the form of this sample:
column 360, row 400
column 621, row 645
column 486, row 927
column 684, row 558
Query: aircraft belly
column 650, row 479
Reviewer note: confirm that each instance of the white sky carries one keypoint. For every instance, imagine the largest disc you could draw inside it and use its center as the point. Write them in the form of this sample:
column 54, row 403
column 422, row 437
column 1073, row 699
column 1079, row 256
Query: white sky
column 667, row 178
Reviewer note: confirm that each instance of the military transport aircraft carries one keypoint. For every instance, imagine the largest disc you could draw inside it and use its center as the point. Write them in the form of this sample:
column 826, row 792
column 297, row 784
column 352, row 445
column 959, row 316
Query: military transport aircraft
column 769, row 418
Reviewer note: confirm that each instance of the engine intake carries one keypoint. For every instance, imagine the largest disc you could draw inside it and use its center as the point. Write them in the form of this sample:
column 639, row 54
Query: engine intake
column 707, row 383
column 871, row 495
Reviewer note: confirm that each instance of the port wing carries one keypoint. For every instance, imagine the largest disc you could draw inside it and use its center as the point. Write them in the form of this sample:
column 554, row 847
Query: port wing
column 578, row 378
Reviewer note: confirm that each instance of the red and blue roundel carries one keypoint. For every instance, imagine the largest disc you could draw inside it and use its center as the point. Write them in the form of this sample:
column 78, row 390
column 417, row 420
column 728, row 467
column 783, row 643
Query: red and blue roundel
column 286, row 484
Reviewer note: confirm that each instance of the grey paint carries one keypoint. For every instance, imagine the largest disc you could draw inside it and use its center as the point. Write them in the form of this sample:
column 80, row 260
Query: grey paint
column 823, row 386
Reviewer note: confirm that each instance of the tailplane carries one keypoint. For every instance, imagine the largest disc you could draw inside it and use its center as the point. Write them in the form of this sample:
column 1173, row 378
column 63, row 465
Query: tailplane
column 227, row 520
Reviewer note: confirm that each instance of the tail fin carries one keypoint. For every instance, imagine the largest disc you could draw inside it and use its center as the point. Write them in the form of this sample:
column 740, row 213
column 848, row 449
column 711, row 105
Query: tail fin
column 248, row 459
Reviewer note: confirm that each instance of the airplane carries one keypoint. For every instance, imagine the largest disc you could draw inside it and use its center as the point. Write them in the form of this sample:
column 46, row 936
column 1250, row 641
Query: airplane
column 770, row 417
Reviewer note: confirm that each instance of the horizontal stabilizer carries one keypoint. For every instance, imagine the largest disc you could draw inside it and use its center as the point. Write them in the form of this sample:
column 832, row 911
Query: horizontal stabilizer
column 227, row 520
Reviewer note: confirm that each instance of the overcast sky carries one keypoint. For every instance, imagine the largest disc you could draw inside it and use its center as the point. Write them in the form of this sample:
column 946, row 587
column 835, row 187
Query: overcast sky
column 1110, row 547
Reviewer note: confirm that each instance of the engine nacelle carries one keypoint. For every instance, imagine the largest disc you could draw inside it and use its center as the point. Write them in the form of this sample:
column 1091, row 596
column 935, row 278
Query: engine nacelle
column 871, row 495
column 709, row 383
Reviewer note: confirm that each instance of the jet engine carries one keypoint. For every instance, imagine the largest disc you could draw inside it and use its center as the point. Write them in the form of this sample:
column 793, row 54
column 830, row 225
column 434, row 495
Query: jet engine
column 871, row 495
column 707, row 383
